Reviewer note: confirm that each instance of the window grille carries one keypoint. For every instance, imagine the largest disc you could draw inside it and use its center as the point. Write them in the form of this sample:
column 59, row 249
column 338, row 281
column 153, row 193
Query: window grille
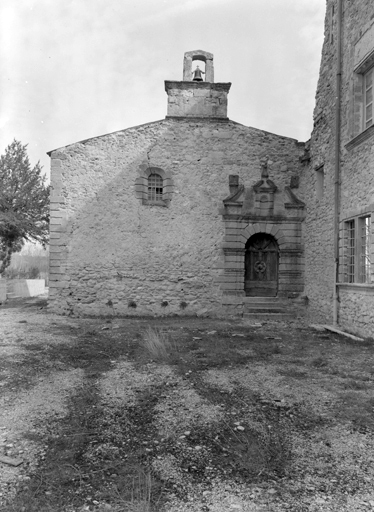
column 350, row 272
column 155, row 187
column 365, row 264
column 368, row 91
column 358, row 250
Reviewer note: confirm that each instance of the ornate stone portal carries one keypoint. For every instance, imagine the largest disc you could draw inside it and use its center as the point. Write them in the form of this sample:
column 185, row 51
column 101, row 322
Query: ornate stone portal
column 263, row 247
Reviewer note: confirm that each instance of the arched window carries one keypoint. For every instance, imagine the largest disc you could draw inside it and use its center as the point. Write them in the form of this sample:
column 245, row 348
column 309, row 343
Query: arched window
column 155, row 187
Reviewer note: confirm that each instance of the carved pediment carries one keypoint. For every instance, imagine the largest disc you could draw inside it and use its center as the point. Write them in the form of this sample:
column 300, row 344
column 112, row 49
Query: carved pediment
column 264, row 193
column 265, row 186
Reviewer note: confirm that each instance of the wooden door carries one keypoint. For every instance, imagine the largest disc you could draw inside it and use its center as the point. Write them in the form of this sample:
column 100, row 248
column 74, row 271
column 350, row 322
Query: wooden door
column 261, row 266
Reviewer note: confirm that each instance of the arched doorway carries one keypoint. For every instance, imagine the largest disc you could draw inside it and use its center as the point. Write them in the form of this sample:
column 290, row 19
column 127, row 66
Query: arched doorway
column 261, row 266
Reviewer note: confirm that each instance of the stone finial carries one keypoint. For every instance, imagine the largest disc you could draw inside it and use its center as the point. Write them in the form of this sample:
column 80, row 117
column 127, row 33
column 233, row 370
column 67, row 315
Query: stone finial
column 206, row 57
column 264, row 170
column 233, row 183
column 264, row 192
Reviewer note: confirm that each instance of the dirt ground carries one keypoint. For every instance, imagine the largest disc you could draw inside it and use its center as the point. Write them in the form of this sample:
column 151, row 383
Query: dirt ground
column 181, row 414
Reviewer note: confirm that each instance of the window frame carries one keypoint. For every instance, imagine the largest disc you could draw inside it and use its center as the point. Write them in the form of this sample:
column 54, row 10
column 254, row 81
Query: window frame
column 365, row 239
column 359, row 129
column 357, row 250
column 155, row 187
column 142, row 186
column 368, row 120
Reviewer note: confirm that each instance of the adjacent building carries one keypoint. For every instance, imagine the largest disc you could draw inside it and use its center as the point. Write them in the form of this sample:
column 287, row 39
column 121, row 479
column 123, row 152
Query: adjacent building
column 339, row 180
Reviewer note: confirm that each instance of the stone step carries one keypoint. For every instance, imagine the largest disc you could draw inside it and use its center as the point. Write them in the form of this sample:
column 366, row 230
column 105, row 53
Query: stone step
column 264, row 309
column 265, row 305
column 268, row 316
column 251, row 300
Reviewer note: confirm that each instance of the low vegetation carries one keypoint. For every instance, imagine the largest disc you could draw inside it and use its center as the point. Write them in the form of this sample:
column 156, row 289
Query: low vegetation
column 200, row 414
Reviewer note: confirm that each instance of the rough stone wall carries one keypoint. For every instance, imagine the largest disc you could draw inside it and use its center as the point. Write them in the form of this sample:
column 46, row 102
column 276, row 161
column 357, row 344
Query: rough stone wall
column 356, row 312
column 197, row 99
column 319, row 242
column 109, row 251
column 357, row 177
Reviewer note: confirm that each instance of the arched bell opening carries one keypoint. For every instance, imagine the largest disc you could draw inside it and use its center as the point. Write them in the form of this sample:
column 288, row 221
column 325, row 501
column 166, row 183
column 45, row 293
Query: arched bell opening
column 198, row 69
column 261, row 276
column 205, row 62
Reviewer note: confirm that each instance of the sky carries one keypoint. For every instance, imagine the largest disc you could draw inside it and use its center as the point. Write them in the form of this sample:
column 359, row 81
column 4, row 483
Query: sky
column 75, row 69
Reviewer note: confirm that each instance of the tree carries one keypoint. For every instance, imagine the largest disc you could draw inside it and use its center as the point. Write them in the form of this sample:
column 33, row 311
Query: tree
column 24, row 203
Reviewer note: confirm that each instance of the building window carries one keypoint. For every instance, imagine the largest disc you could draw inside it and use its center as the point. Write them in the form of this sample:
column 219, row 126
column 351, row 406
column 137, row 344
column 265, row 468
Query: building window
column 368, row 95
column 155, row 187
column 350, row 273
column 357, row 237
column 365, row 264
column 361, row 107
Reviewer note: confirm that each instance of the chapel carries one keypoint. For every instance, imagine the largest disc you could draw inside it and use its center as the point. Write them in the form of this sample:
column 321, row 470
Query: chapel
column 192, row 214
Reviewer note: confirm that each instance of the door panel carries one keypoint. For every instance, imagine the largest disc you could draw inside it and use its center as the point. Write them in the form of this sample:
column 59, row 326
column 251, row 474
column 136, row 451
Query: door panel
column 261, row 266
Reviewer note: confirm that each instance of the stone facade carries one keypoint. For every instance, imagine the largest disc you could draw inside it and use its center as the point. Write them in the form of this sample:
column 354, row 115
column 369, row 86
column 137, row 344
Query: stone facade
column 117, row 250
column 165, row 217
column 355, row 196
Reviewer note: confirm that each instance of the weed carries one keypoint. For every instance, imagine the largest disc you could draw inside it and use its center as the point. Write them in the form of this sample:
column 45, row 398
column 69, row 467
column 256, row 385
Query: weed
column 293, row 373
column 141, row 492
column 183, row 305
column 265, row 350
column 276, row 447
column 319, row 362
column 356, row 408
column 157, row 343
column 354, row 384
column 164, row 303
column 132, row 304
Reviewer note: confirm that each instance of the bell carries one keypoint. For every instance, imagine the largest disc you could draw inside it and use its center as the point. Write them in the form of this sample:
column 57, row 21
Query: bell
column 197, row 75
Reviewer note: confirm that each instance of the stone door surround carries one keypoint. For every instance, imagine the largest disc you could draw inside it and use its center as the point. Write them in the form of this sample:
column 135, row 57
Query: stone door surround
column 287, row 234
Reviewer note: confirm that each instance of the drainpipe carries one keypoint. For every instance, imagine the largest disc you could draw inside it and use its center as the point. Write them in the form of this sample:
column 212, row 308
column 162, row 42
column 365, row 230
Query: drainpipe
column 337, row 159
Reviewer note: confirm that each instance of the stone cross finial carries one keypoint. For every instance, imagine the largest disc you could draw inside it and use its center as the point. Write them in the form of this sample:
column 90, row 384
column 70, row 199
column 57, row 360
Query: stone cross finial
column 264, row 170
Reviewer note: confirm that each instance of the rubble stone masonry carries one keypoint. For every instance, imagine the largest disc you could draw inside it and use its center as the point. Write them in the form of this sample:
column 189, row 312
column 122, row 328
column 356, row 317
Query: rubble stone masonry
column 113, row 253
column 356, row 299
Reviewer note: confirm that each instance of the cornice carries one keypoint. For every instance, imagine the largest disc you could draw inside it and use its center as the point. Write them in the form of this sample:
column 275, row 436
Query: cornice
column 219, row 86
column 361, row 137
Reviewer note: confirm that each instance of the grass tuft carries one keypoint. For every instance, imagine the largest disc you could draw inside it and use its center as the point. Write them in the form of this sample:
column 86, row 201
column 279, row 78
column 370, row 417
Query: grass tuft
column 158, row 344
column 319, row 362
